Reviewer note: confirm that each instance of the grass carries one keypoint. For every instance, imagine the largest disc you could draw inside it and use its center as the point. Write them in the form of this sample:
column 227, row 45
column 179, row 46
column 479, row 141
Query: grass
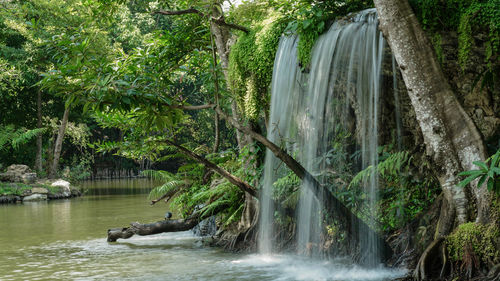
column 19, row 188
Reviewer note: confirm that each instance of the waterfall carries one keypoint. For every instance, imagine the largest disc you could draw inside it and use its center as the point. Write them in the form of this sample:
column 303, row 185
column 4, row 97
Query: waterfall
column 285, row 92
column 307, row 111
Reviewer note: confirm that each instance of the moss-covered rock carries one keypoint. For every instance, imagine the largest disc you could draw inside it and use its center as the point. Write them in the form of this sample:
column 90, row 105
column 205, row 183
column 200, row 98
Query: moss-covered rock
column 474, row 245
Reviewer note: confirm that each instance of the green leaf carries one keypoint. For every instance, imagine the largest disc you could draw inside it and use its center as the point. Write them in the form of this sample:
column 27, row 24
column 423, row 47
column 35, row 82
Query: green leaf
column 481, row 181
column 471, row 172
column 481, row 164
column 490, row 184
column 467, row 180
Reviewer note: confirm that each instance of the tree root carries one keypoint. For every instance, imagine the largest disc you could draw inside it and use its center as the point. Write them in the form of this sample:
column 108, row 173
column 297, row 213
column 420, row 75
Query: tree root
column 429, row 261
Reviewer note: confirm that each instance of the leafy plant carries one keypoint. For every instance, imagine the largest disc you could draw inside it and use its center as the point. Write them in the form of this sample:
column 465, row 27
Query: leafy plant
column 16, row 137
column 170, row 181
column 391, row 166
column 489, row 174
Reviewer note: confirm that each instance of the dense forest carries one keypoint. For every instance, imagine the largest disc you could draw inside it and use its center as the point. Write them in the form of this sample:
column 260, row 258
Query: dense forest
column 366, row 129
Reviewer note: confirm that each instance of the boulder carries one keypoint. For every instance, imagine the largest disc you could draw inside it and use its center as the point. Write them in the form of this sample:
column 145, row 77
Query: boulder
column 29, row 178
column 64, row 185
column 15, row 173
column 35, row 197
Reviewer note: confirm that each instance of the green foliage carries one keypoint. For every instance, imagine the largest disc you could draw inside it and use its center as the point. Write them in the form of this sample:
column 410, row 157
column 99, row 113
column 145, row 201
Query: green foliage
column 21, row 188
column 309, row 19
column 489, row 174
column 170, row 182
column 309, row 23
column 251, row 64
column 16, row 137
column 471, row 241
column 392, row 166
column 467, row 17
column 13, row 189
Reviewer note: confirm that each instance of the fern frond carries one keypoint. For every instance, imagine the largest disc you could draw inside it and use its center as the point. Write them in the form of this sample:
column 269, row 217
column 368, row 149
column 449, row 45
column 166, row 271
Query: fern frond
column 165, row 188
column 159, row 175
column 391, row 166
column 235, row 215
column 210, row 208
column 23, row 136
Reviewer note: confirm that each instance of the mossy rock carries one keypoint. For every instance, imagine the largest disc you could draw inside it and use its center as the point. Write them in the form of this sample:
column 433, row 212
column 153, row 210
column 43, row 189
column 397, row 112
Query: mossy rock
column 472, row 242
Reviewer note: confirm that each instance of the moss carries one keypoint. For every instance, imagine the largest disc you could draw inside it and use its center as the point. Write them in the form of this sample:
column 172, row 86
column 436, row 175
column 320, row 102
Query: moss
column 467, row 17
column 437, row 42
column 251, row 65
column 474, row 239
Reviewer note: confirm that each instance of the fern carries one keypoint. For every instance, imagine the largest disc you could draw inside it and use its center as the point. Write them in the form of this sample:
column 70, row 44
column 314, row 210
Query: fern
column 171, row 182
column 17, row 137
column 391, row 166
column 23, row 136
column 234, row 216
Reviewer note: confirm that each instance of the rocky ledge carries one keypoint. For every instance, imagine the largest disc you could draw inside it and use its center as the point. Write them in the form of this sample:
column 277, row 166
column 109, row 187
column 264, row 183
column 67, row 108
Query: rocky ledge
column 22, row 186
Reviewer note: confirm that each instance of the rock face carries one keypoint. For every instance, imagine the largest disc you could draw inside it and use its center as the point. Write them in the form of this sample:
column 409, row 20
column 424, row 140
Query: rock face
column 18, row 173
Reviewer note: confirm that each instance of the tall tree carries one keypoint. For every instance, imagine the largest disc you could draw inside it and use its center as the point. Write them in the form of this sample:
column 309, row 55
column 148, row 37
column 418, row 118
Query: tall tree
column 451, row 137
column 58, row 144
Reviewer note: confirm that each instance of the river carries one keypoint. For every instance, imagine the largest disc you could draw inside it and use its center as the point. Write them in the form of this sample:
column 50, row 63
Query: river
column 66, row 240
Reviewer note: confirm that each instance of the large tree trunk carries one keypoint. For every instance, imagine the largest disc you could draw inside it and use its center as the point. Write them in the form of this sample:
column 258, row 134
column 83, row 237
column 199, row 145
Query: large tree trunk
column 451, row 137
column 38, row 159
column 221, row 36
column 58, row 144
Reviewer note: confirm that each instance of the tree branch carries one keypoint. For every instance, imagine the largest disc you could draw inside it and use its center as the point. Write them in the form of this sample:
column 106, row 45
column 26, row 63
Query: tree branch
column 232, row 179
column 219, row 21
column 352, row 224
column 193, row 107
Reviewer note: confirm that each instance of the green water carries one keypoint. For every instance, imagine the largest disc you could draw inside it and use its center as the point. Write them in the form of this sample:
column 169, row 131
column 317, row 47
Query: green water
column 66, row 240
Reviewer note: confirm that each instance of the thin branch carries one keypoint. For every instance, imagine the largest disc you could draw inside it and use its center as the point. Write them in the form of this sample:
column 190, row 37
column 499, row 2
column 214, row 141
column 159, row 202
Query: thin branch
column 193, row 107
column 219, row 21
column 179, row 12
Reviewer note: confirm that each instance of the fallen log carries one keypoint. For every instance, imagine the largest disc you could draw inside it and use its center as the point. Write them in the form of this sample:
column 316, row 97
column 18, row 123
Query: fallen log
column 151, row 228
column 167, row 225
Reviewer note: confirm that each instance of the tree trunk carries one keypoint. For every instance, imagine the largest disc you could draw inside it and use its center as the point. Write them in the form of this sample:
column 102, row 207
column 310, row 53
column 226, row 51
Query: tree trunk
column 38, row 159
column 221, row 36
column 58, row 144
column 451, row 137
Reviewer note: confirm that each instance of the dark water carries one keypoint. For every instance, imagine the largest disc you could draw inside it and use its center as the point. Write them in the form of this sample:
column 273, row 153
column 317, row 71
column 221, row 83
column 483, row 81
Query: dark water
column 66, row 240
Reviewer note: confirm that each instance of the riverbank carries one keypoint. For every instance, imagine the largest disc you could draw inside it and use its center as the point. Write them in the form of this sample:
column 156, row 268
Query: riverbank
column 17, row 192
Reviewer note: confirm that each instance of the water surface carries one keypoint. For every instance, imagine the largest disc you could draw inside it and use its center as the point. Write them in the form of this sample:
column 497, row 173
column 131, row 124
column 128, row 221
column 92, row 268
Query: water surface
column 66, row 240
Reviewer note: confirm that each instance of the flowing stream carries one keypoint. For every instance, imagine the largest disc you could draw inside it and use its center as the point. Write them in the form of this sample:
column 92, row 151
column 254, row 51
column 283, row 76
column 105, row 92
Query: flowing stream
column 66, row 240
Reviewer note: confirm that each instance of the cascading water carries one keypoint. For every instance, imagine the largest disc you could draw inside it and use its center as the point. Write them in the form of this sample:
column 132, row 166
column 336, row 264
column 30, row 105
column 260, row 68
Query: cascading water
column 285, row 92
column 345, row 70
